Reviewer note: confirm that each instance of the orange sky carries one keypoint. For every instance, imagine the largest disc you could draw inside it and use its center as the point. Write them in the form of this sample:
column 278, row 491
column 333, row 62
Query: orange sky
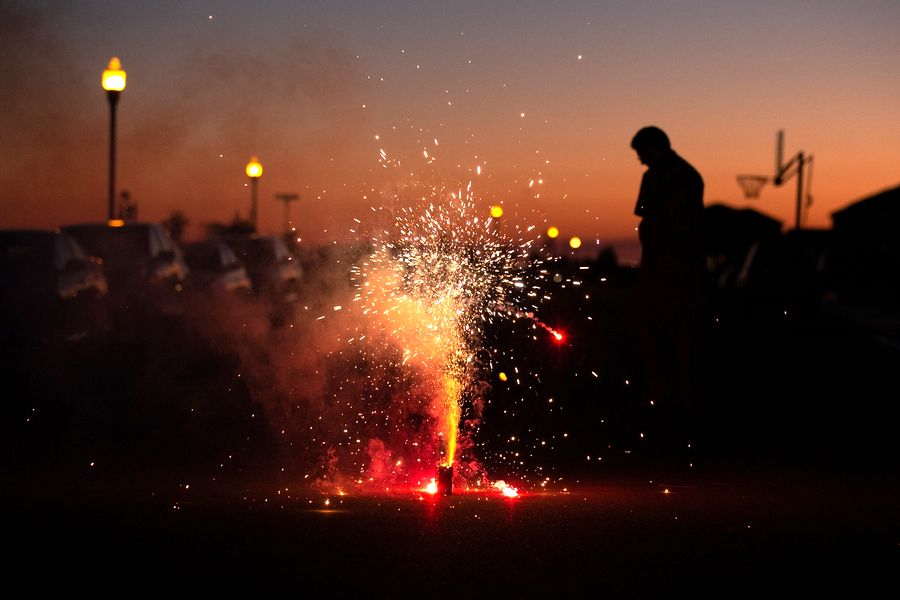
column 308, row 89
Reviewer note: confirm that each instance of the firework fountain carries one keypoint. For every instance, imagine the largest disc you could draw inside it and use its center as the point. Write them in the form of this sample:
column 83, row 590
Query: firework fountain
column 434, row 277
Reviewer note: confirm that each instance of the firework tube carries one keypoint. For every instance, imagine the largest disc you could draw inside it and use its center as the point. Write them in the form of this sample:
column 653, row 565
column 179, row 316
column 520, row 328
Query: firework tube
column 445, row 480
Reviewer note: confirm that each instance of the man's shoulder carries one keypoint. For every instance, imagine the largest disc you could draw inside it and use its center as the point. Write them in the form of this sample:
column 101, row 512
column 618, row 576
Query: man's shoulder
column 683, row 170
column 680, row 164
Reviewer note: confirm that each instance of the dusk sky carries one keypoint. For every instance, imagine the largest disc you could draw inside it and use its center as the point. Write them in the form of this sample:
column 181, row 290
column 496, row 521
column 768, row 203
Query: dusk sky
column 530, row 91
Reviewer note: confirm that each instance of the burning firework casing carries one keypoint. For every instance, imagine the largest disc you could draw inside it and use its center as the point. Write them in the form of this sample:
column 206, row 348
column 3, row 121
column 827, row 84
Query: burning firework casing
column 445, row 480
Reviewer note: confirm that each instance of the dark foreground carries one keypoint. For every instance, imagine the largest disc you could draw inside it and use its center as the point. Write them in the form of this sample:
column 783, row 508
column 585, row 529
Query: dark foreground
column 170, row 460
column 727, row 534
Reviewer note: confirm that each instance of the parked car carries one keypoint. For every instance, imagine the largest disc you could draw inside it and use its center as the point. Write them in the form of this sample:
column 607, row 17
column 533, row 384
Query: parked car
column 52, row 292
column 274, row 271
column 215, row 268
column 144, row 266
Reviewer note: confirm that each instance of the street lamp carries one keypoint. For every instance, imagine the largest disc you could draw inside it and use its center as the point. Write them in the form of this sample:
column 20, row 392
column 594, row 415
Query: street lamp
column 254, row 172
column 496, row 213
column 113, row 81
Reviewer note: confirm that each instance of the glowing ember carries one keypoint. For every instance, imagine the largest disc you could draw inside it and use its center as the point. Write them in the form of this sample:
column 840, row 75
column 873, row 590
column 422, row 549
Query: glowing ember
column 530, row 315
column 506, row 490
column 510, row 492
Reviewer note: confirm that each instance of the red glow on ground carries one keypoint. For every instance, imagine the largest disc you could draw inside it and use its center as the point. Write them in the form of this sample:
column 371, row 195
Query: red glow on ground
column 432, row 489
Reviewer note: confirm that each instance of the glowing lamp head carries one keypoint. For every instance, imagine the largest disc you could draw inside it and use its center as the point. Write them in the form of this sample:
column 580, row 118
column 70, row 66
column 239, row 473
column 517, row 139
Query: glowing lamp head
column 496, row 211
column 552, row 232
column 115, row 223
column 575, row 242
column 254, row 168
column 113, row 79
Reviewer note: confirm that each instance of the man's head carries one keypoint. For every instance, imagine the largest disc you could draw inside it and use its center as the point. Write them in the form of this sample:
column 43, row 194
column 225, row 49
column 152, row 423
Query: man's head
column 651, row 144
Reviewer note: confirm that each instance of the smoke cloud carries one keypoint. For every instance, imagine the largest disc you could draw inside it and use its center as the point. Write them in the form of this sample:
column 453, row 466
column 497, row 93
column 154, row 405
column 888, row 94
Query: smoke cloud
column 184, row 134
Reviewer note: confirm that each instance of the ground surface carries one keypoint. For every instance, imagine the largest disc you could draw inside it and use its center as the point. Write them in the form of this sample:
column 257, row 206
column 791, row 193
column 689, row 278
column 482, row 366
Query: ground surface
column 148, row 464
column 727, row 534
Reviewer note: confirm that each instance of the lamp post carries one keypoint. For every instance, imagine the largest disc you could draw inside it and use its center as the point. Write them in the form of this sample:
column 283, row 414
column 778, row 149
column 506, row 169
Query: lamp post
column 287, row 199
column 113, row 81
column 254, row 172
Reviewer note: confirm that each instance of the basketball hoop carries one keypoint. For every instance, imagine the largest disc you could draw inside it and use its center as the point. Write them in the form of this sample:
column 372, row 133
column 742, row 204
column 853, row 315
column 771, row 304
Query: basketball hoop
column 751, row 184
column 800, row 165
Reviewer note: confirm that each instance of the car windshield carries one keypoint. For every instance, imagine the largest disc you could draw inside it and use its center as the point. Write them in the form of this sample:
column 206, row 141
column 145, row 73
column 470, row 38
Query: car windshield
column 115, row 245
column 281, row 251
column 202, row 257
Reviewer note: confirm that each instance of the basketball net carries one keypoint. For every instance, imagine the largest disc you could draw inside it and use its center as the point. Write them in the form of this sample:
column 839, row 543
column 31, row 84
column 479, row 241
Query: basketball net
column 751, row 184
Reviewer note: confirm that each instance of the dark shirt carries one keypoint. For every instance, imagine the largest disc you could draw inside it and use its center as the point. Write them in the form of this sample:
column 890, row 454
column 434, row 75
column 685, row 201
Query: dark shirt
column 670, row 204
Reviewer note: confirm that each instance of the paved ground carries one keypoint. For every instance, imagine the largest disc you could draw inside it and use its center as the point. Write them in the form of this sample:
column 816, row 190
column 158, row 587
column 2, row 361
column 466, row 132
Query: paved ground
column 725, row 534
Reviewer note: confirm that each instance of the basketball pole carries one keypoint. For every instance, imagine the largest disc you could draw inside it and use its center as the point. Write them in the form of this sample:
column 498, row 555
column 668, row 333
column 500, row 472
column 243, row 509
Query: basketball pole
column 782, row 172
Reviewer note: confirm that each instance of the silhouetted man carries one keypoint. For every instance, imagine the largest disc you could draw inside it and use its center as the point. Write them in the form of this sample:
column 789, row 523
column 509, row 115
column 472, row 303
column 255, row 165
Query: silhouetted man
column 670, row 204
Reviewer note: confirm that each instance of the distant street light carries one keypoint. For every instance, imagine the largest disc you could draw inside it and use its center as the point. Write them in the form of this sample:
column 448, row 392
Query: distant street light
column 254, row 172
column 496, row 211
column 552, row 232
column 575, row 242
column 113, row 81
